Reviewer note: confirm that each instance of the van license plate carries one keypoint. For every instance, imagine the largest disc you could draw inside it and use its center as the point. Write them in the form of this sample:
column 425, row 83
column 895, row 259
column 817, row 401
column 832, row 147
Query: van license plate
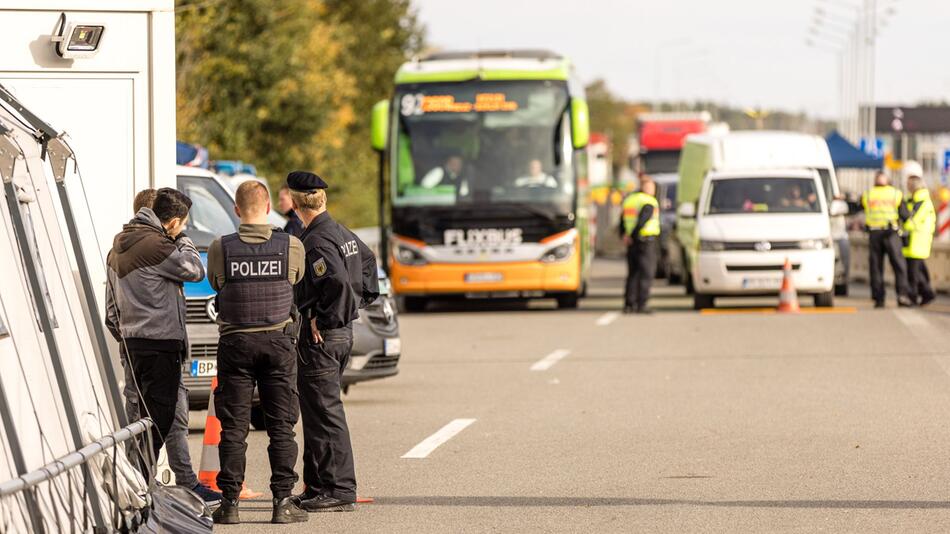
column 392, row 346
column 476, row 278
column 204, row 368
column 761, row 283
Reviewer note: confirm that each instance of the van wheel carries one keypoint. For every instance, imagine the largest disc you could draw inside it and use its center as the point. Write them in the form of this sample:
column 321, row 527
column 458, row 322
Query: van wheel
column 568, row 302
column 414, row 304
column 702, row 302
column 825, row 300
column 257, row 418
column 674, row 278
column 841, row 290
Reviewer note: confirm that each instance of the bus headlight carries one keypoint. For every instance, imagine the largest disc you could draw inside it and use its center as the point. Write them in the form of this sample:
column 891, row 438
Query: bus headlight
column 815, row 244
column 408, row 255
column 711, row 246
column 558, row 253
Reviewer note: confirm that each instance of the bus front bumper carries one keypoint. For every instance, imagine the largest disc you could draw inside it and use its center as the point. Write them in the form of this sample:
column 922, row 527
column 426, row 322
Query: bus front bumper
column 516, row 279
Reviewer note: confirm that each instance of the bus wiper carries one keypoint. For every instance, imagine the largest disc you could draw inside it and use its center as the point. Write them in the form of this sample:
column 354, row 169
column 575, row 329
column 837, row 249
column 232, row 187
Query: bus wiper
column 549, row 214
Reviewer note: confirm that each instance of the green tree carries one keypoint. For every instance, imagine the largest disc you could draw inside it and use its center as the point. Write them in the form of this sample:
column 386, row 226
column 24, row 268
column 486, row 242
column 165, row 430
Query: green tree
column 610, row 115
column 289, row 84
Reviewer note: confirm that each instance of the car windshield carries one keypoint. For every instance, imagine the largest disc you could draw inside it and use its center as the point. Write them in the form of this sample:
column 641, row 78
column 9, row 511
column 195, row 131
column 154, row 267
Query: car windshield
column 763, row 195
column 476, row 142
column 212, row 210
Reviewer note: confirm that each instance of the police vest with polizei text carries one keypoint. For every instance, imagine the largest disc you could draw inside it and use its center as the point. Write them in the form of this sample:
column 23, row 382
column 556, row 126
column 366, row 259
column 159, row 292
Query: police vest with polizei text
column 257, row 290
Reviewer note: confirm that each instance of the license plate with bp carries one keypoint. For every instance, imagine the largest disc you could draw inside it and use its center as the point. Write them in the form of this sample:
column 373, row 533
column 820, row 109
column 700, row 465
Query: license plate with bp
column 204, row 368
column 761, row 283
column 392, row 346
column 475, row 278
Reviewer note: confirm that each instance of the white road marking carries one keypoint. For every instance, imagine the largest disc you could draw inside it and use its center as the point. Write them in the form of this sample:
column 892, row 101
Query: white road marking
column 607, row 318
column 911, row 318
column 426, row 446
column 548, row 361
column 927, row 334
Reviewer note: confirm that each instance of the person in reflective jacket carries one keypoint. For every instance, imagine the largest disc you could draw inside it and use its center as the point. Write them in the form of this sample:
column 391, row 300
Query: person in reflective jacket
column 919, row 236
column 883, row 210
column 640, row 228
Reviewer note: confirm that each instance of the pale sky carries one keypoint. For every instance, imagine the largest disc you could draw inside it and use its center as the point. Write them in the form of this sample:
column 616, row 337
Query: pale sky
column 742, row 52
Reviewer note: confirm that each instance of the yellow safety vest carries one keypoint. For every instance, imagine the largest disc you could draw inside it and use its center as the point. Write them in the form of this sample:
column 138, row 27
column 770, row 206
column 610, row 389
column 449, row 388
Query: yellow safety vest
column 921, row 226
column 881, row 204
column 631, row 211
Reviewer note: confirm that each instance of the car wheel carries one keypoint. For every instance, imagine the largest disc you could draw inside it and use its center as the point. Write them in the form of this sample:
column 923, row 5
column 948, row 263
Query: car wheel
column 568, row 302
column 257, row 418
column 841, row 290
column 414, row 304
column 825, row 300
column 702, row 302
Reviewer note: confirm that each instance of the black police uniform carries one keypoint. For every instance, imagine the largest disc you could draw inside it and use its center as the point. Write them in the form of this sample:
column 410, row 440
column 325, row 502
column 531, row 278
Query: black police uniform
column 341, row 278
column 257, row 294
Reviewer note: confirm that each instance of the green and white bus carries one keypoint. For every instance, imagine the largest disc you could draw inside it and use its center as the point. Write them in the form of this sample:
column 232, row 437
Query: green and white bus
column 484, row 177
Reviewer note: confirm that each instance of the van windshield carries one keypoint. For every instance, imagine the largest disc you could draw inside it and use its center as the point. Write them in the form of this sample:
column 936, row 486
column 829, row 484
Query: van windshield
column 763, row 195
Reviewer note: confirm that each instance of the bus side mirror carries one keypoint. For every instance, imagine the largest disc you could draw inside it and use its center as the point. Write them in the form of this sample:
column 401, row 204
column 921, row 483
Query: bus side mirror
column 687, row 210
column 580, row 122
column 380, row 126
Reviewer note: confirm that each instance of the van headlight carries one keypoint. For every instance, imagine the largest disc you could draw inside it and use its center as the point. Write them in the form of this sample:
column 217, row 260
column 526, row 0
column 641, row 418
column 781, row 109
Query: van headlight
column 815, row 244
column 558, row 253
column 709, row 245
column 408, row 255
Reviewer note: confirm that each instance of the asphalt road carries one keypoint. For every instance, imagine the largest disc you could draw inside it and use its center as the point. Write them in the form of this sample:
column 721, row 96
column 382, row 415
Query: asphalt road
column 590, row 421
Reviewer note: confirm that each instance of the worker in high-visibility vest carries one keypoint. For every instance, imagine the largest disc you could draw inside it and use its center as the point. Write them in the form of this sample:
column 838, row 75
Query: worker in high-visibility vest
column 640, row 228
column 918, row 236
column 884, row 210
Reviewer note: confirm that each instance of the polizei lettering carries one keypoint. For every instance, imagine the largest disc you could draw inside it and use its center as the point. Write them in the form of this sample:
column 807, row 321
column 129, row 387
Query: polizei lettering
column 349, row 249
column 256, row 268
column 483, row 237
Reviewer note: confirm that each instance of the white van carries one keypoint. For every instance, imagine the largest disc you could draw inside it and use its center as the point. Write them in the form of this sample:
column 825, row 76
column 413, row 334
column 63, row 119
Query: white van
column 748, row 223
column 753, row 150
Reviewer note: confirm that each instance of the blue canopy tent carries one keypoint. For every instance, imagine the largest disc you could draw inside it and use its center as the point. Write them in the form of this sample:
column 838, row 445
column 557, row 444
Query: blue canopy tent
column 846, row 155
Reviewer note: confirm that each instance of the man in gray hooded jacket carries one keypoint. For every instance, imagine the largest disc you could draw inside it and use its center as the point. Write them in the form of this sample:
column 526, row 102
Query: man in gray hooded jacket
column 145, row 305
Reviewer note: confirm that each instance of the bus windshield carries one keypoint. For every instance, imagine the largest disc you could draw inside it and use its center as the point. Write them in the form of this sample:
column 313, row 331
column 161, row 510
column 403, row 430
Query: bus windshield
column 483, row 142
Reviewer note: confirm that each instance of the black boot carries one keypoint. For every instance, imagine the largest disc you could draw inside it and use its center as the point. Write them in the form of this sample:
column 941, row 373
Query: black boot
column 286, row 511
column 227, row 513
column 326, row 503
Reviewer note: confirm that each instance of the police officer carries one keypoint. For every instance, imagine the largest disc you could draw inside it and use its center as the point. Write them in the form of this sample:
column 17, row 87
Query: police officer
column 640, row 228
column 254, row 271
column 918, row 235
column 883, row 211
column 340, row 278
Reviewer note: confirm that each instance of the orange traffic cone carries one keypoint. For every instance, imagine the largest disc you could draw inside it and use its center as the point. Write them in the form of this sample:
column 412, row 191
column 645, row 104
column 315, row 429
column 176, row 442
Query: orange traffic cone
column 787, row 296
column 210, row 462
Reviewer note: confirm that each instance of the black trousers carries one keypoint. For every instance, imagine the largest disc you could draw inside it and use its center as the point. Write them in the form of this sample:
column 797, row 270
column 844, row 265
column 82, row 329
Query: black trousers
column 327, row 455
column 269, row 360
column 886, row 243
column 641, row 269
column 157, row 374
column 918, row 281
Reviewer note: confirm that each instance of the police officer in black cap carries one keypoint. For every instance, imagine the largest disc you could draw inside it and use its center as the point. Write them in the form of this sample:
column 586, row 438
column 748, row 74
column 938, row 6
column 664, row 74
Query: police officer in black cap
column 340, row 278
column 254, row 272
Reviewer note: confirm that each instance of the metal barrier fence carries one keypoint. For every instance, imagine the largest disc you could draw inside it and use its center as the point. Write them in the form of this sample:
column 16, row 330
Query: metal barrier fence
column 938, row 264
column 54, row 497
